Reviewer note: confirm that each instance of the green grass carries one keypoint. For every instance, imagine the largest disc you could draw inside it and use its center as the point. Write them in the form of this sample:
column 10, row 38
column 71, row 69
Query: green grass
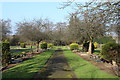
column 83, row 68
column 28, row 68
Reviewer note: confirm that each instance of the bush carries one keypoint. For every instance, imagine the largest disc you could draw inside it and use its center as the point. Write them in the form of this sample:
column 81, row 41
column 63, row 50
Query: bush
column 74, row 46
column 86, row 47
column 111, row 51
column 95, row 44
column 6, row 56
column 22, row 45
column 43, row 45
column 50, row 45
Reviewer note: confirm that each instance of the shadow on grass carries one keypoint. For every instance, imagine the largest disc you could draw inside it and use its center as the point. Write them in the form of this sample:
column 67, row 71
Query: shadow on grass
column 28, row 68
column 18, row 50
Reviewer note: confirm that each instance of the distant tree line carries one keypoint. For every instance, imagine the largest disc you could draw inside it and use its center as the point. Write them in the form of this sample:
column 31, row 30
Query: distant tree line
column 87, row 23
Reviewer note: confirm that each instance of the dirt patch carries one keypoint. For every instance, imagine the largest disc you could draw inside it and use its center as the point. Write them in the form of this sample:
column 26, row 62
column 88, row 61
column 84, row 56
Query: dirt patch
column 106, row 67
column 57, row 68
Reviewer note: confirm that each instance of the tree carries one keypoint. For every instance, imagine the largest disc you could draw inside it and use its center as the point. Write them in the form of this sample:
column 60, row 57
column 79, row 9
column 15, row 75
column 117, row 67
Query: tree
column 36, row 30
column 97, row 17
column 59, row 33
column 29, row 32
column 88, row 28
column 75, row 29
column 5, row 26
column 106, row 12
column 15, row 40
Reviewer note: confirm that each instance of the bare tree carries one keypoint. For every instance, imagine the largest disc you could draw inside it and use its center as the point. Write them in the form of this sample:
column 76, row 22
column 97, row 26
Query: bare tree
column 28, row 31
column 96, row 15
column 5, row 26
column 59, row 33
column 36, row 30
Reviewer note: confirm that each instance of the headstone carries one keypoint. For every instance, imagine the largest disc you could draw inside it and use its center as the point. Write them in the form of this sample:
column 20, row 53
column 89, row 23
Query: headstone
column 114, row 63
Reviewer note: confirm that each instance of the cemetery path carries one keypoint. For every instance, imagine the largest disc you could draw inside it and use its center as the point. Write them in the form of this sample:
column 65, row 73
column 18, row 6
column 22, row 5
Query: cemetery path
column 57, row 68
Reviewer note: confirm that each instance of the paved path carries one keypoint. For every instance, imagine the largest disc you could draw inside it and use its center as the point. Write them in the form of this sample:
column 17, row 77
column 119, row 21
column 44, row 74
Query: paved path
column 57, row 68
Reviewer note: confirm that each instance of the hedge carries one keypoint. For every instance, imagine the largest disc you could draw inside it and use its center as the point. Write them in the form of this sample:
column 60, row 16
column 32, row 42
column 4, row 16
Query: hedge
column 6, row 55
column 111, row 51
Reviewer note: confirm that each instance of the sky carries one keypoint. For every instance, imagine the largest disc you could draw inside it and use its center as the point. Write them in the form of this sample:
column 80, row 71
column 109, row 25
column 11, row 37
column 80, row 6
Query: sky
column 28, row 10
column 18, row 11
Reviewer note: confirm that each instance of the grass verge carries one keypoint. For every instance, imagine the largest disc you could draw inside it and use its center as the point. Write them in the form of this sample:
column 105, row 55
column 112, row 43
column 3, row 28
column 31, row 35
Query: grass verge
column 28, row 69
column 83, row 68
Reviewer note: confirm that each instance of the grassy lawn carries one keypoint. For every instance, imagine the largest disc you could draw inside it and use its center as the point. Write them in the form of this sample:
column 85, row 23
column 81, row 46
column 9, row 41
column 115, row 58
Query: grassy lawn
column 83, row 68
column 28, row 68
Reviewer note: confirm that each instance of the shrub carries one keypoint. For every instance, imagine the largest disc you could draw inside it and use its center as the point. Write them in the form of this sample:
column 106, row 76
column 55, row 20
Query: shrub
column 86, row 47
column 22, row 45
column 43, row 45
column 6, row 56
column 111, row 51
column 50, row 45
column 74, row 46
column 95, row 44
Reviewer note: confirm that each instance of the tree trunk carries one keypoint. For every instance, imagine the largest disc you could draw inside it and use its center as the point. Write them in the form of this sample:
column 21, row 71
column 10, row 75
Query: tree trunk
column 31, row 49
column 90, row 47
column 38, row 45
